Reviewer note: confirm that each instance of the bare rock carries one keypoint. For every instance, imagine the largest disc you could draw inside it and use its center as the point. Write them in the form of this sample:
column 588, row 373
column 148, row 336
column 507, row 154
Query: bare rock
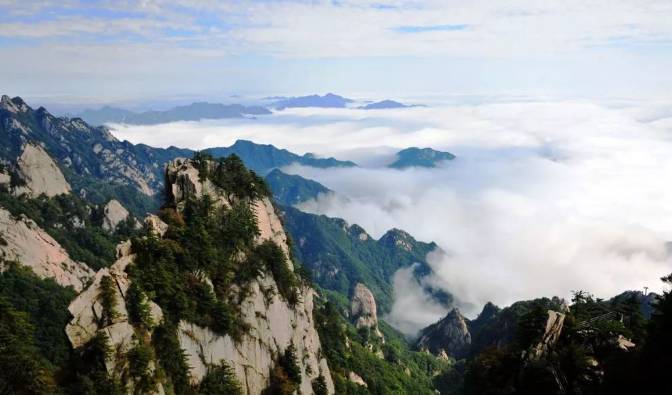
column 156, row 225
column 363, row 309
column 449, row 336
column 40, row 173
column 23, row 241
column 550, row 337
column 624, row 343
column 114, row 214
column 87, row 320
column 274, row 326
column 357, row 379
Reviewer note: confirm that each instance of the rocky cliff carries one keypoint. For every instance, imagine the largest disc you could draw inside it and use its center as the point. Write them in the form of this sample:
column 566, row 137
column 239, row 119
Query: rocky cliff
column 113, row 214
column 272, row 322
column 22, row 240
column 363, row 309
column 40, row 173
column 450, row 336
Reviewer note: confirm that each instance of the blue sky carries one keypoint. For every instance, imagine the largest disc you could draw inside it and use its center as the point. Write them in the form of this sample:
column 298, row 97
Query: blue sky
column 107, row 51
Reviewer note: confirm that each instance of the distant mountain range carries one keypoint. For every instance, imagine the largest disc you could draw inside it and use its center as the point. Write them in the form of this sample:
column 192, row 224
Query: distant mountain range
column 264, row 157
column 329, row 100
column 420, row 157
column 191, row 112
column 387, row 104
column 203, row 110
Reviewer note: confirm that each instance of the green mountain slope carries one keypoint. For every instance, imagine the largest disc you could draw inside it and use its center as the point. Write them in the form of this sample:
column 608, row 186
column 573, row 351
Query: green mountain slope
column 340, row 255
column 289, row 190
column 263, row 157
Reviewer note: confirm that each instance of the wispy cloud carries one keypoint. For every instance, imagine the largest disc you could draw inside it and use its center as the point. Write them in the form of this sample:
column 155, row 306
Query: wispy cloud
column 432, row 28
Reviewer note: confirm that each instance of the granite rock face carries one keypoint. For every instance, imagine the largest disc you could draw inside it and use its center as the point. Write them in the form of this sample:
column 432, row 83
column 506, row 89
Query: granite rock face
column 552, row 331
column 40, row 173
column 113, row 214
column 363, row 309
column 22, row 240
column 450, row 336
column 88, row 318
column 274, row 324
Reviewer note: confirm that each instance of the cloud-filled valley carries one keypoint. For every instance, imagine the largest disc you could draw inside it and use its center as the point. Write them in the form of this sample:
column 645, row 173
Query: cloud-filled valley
column 543, row 198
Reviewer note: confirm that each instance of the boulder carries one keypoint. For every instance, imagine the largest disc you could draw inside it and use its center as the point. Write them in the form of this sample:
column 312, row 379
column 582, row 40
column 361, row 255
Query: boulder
column 363, row 309
column 357, row 379
column 113, row 214
column 40, row 173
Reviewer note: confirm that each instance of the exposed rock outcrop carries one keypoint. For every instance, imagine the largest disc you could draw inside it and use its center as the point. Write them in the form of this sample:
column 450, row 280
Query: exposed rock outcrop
column 113, row 214
column 274, row 324
column 156, row 225
column 552, row 332
column 22, row 240
column 357, row 379
column 363, row 309
column 450, row 335
column 88, row 316
column 40, row 173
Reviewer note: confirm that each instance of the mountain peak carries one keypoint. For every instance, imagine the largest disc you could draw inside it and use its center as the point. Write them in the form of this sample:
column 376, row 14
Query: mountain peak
column 398, row 238
column 450, row 335
column 14, row 105
column 420, row 157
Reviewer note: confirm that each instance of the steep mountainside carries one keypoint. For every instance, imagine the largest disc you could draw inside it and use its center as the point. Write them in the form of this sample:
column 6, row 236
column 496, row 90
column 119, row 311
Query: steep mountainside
column 289, row 190
column 191, row 112
column 218, row 283
column 341, row 255
column 99, row 167
column 94, row 163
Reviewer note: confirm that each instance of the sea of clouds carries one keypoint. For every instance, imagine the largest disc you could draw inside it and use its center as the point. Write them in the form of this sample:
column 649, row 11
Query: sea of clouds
column 545, row 197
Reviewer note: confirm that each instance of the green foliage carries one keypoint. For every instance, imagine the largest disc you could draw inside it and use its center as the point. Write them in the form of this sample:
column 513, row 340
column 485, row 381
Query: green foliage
column 22, row 369
column 171, row 357
column 230, row 174
column 73, row 223
column 320, row 386
column 290, row 364
column 290, row 190
column 339, row 256
column 275, row 261
column 139, row 313
column 46, row 305
column 220, row 380
column 389, row 375
column 492, row 372
column 280, row 384
column 139, row 358
column 107, row 297
column 87, row 372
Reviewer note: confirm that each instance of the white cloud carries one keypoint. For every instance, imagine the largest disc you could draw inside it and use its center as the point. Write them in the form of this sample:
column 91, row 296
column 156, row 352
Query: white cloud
column 544, row 198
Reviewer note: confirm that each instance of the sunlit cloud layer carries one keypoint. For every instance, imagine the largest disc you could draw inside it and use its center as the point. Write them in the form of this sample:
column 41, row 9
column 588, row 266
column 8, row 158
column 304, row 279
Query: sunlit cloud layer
column 544, row 197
